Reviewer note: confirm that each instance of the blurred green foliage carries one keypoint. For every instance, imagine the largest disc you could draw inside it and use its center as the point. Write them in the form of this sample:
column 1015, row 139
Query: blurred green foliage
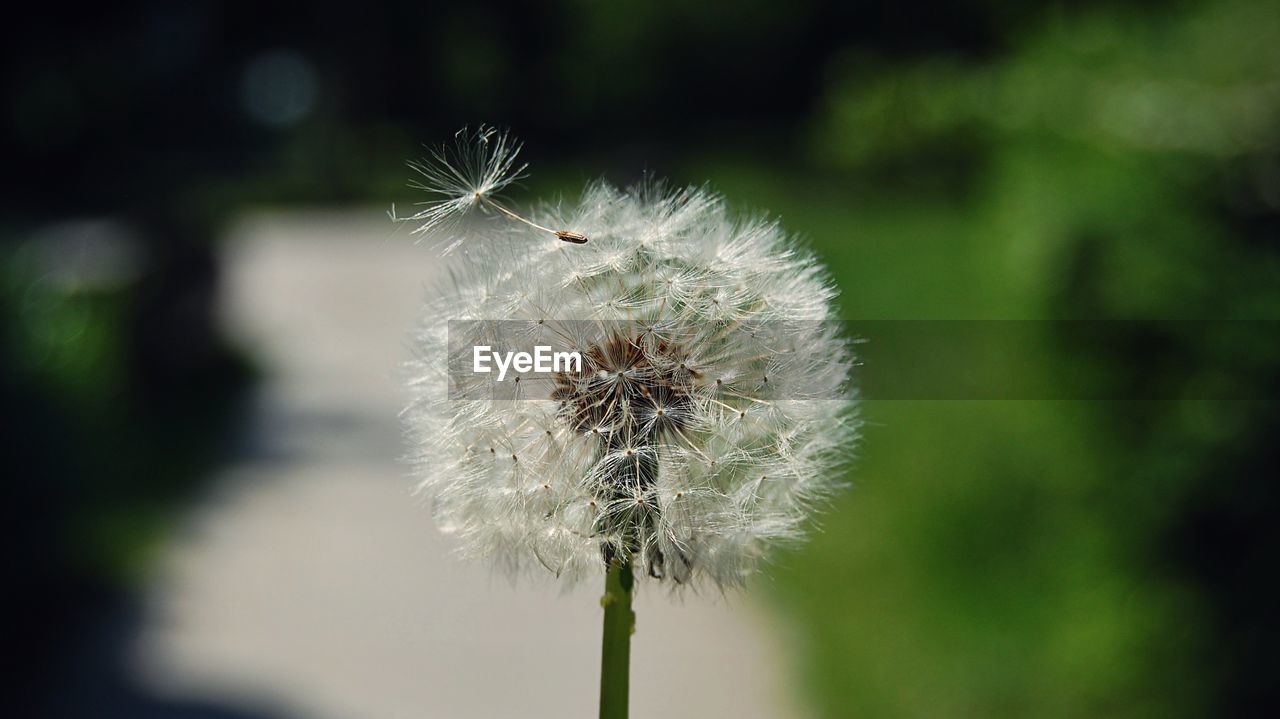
column 1022, row 558
column 109, row 445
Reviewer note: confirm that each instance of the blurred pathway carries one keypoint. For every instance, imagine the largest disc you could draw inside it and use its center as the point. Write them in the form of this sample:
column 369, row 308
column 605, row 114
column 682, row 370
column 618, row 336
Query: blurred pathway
column 310, row 584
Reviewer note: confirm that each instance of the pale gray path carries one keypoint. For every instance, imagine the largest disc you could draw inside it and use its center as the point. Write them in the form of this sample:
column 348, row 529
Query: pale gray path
column 309, row 583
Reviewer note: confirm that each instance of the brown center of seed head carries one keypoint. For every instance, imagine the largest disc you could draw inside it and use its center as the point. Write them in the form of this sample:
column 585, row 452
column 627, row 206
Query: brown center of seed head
column 630, row 390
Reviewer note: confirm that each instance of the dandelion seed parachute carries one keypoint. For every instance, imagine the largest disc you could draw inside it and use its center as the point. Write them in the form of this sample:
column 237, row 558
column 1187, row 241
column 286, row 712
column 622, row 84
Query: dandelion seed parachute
column 709, row 420
column 461, row 176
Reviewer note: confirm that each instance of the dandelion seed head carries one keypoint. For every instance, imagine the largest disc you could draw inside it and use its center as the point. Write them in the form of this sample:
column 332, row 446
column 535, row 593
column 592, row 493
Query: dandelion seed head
column 708, row 421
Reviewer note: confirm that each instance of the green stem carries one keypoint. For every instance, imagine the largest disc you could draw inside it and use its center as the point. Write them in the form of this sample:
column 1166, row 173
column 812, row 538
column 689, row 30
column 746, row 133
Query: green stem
column 615, row 656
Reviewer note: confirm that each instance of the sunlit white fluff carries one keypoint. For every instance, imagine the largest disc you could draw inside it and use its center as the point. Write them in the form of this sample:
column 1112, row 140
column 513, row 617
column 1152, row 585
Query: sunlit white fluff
column 715, row 414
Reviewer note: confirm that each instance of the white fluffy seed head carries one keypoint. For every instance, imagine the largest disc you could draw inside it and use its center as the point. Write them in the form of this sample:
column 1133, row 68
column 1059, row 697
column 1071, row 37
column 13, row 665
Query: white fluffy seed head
column 711, row 415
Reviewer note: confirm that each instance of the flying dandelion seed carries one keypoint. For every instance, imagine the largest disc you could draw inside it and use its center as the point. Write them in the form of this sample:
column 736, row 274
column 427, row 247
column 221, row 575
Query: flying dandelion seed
column 465, row 175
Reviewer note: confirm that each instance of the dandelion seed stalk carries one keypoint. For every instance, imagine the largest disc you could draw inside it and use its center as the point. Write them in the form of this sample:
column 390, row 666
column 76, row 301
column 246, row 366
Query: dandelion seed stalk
column 615, row 654
column 566, row 235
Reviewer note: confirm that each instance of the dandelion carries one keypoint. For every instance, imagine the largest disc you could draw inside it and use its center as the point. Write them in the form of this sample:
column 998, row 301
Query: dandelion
column 707, row 419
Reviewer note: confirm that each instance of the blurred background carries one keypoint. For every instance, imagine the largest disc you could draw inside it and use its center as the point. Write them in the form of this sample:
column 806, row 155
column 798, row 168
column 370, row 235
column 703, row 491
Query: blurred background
column 202, row 304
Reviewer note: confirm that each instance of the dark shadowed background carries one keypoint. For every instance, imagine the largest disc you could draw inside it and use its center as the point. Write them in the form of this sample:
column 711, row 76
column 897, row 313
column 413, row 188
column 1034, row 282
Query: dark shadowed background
column 997, row 557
